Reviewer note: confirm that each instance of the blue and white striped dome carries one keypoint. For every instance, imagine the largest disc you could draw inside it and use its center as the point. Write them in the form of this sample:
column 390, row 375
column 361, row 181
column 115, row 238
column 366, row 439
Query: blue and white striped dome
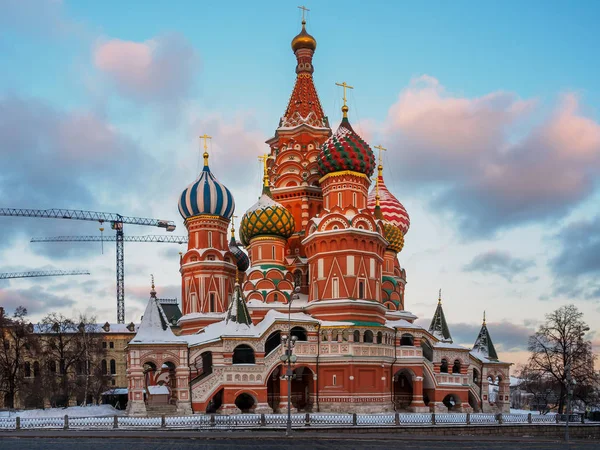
column 206, row 195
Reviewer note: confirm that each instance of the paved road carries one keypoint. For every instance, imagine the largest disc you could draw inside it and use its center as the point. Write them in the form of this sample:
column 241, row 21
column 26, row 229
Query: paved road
column 252, row 441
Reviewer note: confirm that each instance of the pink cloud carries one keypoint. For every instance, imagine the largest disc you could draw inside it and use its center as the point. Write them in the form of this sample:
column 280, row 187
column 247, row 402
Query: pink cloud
column 492, row 168
column 158, row 70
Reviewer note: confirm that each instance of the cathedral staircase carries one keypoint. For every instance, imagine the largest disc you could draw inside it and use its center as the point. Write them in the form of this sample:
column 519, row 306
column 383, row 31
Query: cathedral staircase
column 161, row 410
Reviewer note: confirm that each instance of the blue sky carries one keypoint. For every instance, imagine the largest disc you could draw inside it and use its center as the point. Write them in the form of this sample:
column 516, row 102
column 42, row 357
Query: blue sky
column 490, row 111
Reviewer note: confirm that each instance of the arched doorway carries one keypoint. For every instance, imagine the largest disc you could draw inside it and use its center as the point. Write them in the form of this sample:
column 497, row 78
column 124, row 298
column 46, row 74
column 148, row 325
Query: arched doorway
column 215, row 403
column 274, row 389
column 302, row 389
column 245, row 403
column 273, row 341
column 452, row 402
column 300, row 333
column 403, row 390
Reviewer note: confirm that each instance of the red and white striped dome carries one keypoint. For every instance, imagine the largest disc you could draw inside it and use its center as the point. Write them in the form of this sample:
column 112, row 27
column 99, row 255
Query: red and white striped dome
column 393, row 211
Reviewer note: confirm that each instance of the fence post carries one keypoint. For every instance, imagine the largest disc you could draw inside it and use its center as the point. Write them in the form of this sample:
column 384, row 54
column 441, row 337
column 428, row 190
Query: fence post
column 115, row 422
column 468, row 418
column 18, row 423
column 529, row 420
column 500, row 418
column 163, row 421
column 263, row 420
column 582, row 418
column 432, row 418
column 212, row 420
column 556, row 417
column 66, row 425
column 397, row 419
column 307, row 420
column 354, row 419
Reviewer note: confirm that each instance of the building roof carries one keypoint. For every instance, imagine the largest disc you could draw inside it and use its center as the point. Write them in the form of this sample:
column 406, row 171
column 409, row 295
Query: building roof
column 439, row 326
column 483, row 348
column 155, row 327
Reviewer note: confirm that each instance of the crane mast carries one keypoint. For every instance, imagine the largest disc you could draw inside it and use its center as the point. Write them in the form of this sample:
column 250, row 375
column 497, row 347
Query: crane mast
column 116, row 223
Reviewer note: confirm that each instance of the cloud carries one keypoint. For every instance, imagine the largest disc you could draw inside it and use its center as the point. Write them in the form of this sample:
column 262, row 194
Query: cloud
column 160, row 70
column 498, row 263
column 57, row 159
column 487, row 166
column 41, row 17
column 576, row 267
column 37, row 301
column 506, row 336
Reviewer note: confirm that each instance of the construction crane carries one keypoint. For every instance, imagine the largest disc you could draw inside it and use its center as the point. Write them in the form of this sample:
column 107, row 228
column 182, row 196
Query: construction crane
column 116, row 222
column 149, row 238
column 42, row 273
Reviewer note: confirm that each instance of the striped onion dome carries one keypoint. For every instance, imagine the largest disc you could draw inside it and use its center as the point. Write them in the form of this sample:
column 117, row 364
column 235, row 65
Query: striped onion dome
column 391, row 208
column 346, row 150
column 206, row 195
column 266, row 218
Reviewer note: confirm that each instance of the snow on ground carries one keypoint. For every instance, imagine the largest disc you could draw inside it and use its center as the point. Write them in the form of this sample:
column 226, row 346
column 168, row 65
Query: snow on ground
column 72, row 411
column 525, row 411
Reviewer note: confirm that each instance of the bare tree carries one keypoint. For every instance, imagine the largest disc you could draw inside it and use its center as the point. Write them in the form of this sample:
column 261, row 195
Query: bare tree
column 557, row 348
column 16, row 342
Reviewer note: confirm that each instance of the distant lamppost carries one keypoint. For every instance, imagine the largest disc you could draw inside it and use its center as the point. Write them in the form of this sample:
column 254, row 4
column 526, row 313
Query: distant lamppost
column 289, row 342
column 569, row 381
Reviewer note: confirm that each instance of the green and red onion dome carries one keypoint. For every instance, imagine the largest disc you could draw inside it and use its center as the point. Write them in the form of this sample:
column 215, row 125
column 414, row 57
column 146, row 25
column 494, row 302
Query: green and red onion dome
column 346, row 150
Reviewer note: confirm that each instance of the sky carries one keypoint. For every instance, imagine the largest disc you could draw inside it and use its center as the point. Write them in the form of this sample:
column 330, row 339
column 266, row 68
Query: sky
column 490, row 112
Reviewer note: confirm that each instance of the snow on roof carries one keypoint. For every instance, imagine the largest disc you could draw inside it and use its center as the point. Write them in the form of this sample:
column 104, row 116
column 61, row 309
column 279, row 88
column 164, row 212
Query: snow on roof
column 263, row 202
column 449, row 345
column 158, row 390
column 154, row 328
column 402, row 324
column 116, row 391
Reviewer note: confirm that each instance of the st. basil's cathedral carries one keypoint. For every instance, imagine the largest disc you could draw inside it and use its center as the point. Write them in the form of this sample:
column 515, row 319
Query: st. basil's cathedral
column 321, row 269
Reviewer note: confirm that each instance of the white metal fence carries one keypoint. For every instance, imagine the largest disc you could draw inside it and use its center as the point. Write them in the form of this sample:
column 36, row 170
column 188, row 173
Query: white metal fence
column 203, row 421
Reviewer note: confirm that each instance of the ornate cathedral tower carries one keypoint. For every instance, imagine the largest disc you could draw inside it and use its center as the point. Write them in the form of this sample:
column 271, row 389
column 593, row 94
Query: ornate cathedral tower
column 345, row 245
column 396, row 223
column 208, row 268
column 294, row 175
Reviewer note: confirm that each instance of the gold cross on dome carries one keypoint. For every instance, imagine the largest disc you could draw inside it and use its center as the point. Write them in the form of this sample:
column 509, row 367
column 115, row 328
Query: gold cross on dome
column 233, row 225
column 380, row 148
column 304, row 10
column 345, row 86
column 264, row 158
column 205, row 154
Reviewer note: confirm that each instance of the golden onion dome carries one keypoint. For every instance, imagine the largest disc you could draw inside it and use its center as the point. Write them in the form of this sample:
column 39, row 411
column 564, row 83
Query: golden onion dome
column 394, row 236
column 304, row 40
column 266, row 218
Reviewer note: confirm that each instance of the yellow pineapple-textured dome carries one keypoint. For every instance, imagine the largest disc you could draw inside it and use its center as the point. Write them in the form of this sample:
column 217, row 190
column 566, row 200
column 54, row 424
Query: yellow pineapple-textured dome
column 304, row 40
column 394, row 236
column 266, row 218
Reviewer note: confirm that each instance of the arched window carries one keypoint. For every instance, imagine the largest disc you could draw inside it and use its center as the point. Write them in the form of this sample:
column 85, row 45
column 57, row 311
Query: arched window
column 113, row 367
column 407, row 339
column 273, row 341
column 36, row 369
column 212, row 305
column 203, row 364
column 475, row 376
column 300, row 333
column 345, row 336
column 324, row 336
column 444, row 366
column 273, row 252
column 27, row 369
column 104, row 367
column 427, row 350
column 334, row 336
column 243, row 354
column 52, row 366
column 356, row 336
column 368, row 337
column 379, row 337
column 456, row 367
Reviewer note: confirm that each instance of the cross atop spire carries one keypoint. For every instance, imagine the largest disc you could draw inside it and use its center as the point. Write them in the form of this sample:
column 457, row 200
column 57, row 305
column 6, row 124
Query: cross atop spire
column 152, row 291
column 484, row 316
column 264, row 158
column 379, row 169
column 205, row 154
column 345, row 107
column 304, row 10
column 440, row 297
column 233, row 226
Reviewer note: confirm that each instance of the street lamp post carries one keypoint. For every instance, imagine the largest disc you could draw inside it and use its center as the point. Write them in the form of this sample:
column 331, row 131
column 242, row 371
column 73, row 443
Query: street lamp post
column 289, row 342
